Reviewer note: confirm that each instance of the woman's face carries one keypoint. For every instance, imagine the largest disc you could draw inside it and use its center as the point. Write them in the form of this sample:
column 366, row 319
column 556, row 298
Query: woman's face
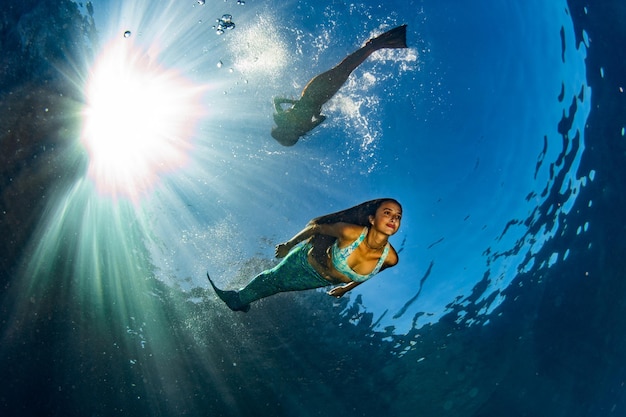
column 388, row 217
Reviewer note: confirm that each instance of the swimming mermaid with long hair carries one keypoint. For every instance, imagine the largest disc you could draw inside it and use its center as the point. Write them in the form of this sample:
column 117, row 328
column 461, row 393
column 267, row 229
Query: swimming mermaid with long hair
column 343, row 249
column 304, row 114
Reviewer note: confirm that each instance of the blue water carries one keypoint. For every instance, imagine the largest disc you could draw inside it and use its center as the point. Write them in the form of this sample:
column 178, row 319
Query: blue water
column 500, row 129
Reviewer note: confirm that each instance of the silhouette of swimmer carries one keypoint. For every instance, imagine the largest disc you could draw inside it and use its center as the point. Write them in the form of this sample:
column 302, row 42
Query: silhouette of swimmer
column 305, row 113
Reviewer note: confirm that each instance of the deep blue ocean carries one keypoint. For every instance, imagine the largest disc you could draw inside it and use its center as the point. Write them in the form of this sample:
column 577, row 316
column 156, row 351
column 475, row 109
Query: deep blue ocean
column 136, row 156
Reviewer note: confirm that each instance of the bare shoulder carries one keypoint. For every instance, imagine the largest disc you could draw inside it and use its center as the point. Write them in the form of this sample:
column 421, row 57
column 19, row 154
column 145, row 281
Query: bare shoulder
column 350, row 231
column 392, row 257
column 342, row 231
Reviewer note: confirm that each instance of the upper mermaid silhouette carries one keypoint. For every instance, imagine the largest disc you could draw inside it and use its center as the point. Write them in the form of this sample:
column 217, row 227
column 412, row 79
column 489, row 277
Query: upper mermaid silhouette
column 305, row 113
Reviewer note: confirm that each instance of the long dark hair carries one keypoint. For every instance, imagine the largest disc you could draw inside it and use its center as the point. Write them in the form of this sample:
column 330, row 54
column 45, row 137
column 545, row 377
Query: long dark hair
column 359, row 215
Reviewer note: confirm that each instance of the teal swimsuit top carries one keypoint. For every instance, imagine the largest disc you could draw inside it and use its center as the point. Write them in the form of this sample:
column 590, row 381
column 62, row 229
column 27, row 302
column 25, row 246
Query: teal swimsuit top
column 340, row 259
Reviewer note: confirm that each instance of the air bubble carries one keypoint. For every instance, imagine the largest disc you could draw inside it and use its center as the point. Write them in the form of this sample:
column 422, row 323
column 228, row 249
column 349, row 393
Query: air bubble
column 224, row 23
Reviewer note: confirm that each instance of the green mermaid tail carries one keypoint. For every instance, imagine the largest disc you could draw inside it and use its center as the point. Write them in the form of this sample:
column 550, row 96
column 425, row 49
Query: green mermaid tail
column 231, row 298
column 293, row 273
column 394, row 38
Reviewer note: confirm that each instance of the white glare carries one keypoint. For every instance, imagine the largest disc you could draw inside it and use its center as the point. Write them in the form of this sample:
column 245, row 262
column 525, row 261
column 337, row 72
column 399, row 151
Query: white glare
column 139, row 120
column 258, row 50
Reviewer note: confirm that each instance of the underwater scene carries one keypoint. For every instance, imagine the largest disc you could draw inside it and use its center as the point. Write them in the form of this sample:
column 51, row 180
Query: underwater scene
column 313, row 208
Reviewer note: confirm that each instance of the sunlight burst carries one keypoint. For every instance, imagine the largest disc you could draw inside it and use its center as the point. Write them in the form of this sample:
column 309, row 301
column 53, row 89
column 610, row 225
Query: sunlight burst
column 138, row 122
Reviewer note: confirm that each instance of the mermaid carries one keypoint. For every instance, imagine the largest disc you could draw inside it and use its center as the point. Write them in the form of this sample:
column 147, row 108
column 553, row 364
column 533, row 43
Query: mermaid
column 304, row 114
column 342, row 249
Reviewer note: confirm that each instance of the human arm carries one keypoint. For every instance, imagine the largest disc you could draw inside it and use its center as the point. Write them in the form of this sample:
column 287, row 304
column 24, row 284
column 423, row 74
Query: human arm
column 282, row 249
column 337, row 230
column 279, row 100
column 339, row 291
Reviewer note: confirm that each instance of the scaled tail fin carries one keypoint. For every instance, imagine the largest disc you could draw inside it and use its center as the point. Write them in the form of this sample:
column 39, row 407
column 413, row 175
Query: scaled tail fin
column 230, row 298
column 394, row 38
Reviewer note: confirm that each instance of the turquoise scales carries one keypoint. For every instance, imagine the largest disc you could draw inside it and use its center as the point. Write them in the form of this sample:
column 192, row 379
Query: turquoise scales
column 293, row 273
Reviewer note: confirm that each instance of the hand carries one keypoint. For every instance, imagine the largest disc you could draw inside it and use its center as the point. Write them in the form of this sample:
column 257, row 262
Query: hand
column 337, row 292
column 282, row 249
column 318, row 119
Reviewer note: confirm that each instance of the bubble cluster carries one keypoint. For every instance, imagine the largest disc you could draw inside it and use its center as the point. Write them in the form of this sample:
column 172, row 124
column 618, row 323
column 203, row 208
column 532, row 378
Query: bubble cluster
column 224, row 23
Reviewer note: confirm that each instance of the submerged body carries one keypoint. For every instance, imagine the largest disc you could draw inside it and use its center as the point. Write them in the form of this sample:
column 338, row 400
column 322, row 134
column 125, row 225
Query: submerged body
column 326, row 252
column 305, row 113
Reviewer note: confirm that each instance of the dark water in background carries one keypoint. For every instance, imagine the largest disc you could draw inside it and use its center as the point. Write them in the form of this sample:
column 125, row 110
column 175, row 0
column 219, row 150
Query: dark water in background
column 555, row 347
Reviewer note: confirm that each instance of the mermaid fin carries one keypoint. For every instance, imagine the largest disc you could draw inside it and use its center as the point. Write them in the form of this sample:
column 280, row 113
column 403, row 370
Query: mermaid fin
column 231, row 298
column 394, row 38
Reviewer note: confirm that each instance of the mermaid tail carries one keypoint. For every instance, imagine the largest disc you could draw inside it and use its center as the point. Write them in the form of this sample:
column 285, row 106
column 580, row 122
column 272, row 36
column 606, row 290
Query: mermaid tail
column 394, row 38
column 293, row 273
column 231, row 298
